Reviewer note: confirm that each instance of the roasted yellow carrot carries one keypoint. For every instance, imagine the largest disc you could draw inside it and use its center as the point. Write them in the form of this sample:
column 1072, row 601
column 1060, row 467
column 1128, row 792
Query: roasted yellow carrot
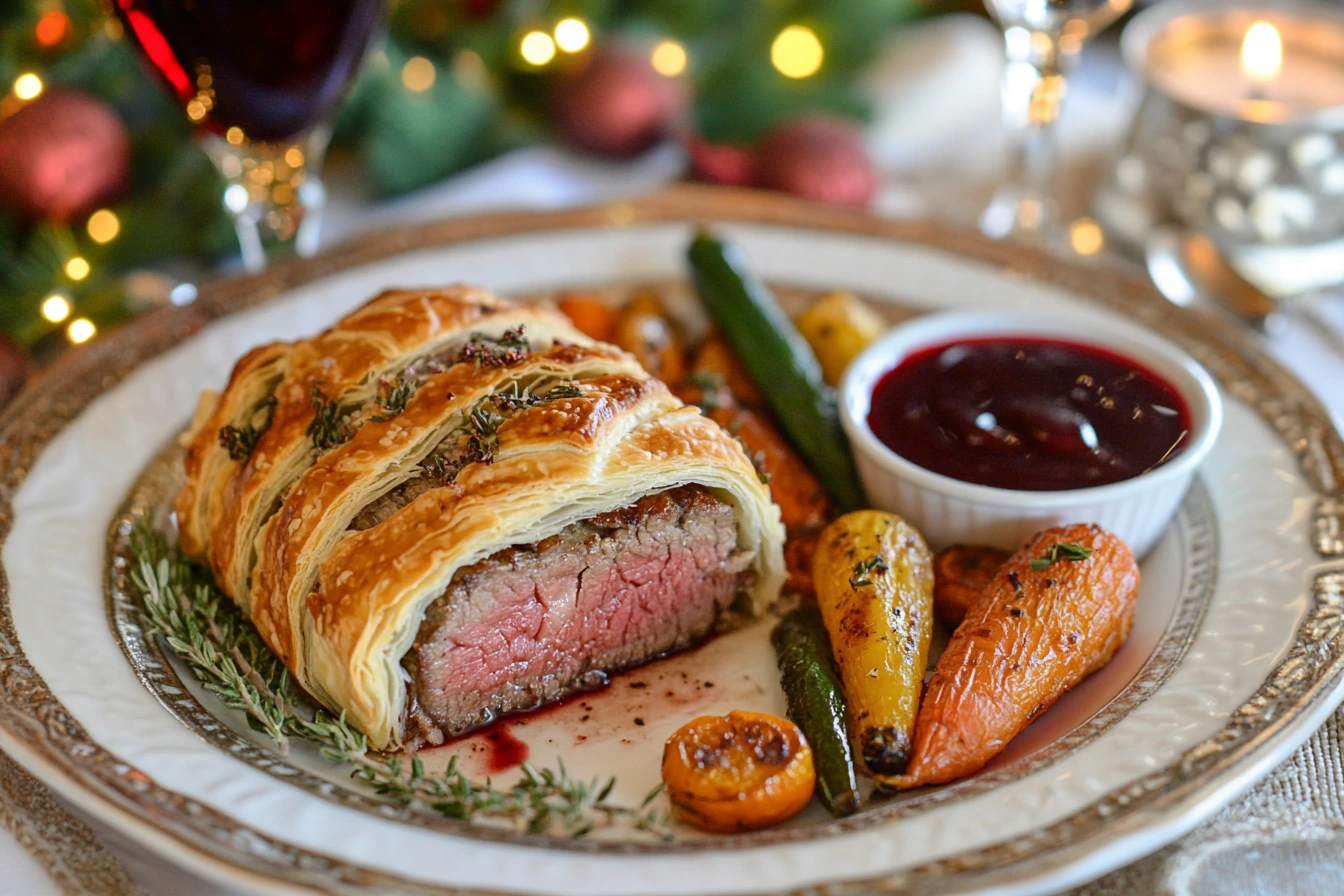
column 873, row 576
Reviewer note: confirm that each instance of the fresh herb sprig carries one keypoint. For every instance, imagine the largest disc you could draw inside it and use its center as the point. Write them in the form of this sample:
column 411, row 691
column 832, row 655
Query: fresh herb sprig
column 1061, row 550
column 392, row 397
column 329, row 427
column 241, row 441
column 874, row 565
column 486, row 351
column 227, row 655
column 515, row 400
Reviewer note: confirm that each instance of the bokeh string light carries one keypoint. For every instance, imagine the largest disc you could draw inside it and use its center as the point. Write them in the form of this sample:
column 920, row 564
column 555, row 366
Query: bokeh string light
column 572, row 35
column 103, row 226
column 81, row 330
column 537, row 48
column 55, row 308
column 669, row 58
column 28, row 86
column 797, row 52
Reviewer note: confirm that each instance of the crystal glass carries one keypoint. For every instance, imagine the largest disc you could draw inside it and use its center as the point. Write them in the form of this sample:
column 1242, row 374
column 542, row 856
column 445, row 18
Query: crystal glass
column 258, row 79
column 1043, row 39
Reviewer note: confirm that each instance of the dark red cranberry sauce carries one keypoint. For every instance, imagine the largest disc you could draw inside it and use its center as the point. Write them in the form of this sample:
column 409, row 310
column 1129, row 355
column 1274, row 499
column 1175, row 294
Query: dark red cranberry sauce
column 1025, row 413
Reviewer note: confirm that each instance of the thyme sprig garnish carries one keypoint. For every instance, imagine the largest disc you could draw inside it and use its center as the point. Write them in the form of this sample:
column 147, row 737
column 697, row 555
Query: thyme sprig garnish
column 229, row 659
column 392, row 397
column 240, row 441
column 874, row 565
column 329, row 427
column 1061, row 550
column 515, row 400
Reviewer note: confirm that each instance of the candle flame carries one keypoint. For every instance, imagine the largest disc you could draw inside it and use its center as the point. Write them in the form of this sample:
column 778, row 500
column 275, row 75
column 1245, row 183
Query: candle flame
column 1262, row 52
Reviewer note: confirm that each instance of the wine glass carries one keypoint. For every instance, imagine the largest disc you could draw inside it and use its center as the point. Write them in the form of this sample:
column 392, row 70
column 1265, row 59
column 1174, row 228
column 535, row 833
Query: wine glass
column 1043, row 39
column 258, row 78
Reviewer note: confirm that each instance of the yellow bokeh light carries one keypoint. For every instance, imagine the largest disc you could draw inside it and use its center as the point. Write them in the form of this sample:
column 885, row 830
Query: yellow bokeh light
column 669, row 58
column 571, row 35
column 196, row 110
column 294, row 156
column 797, row 52
column 418, row 74
column 537, row 48
column 1086, row 237
column 234, row 135
column 27, row 86
column 55, row 308
column 77, row 268
column 80, row 330
column 104, row 225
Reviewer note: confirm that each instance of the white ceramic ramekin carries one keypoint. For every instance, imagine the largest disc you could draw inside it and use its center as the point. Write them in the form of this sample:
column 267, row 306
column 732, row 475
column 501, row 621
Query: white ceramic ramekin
column 949, row 511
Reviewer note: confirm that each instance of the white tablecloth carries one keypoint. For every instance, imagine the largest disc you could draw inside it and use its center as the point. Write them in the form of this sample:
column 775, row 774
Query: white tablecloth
column 936, row 87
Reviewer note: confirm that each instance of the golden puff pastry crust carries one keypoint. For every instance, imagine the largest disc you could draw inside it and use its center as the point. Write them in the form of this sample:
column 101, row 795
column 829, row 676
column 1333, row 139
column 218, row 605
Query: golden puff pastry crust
column 491, row 424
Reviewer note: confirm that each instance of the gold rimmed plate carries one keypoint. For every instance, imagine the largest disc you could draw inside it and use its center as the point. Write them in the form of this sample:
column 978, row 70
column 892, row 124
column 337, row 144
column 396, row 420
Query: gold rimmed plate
column 1236, row 656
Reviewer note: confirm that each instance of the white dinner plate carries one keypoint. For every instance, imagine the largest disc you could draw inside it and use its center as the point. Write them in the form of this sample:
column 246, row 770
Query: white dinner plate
column 1236, row 656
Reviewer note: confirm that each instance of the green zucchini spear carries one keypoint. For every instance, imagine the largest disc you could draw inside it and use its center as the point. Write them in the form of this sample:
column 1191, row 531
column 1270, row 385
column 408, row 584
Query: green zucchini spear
column 817, row 705
column 779, row 360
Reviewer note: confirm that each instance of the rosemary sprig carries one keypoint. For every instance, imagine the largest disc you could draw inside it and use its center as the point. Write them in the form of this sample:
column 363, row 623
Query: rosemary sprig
column 329, row 427
column 229, row 658
column 874, row 565
column 1061, row 550
column 240, row 441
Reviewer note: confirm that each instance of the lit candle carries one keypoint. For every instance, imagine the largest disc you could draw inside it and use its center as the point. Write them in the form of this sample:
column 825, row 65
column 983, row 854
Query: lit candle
column 1263, row 67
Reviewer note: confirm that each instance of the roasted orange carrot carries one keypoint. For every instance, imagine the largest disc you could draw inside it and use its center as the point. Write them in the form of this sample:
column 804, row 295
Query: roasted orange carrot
column 803, row 504
column 1056, row 612
column 591, row 315
column 960, row 574
column 654, row 340
column 716, row 360
column 799, row 549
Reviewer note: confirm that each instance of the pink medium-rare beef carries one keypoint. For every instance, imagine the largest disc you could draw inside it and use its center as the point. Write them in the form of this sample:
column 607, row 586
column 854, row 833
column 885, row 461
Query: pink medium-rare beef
column 535, row 623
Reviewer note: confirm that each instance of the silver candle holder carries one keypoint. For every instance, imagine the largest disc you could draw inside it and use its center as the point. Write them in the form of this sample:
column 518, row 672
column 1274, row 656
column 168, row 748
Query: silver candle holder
column 1240, row 133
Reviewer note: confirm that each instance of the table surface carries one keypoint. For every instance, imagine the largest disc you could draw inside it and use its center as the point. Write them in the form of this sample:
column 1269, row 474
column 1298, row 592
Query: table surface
column 1285, row 837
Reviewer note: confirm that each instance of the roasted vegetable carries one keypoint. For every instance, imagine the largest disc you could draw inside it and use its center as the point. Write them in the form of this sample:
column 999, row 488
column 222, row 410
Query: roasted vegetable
column 838, row 326
column 1054, row 613
column 715, row 362
column 780, row 362
column 803, row 505
column 738, row 772
column 799, row 549
column 960, row 574
column 653, row 340
column 592, row 316
column 817, row 703
column 874, row 579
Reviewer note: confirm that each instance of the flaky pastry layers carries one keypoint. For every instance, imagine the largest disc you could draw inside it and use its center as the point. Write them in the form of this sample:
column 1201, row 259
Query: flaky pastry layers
column 498, row 424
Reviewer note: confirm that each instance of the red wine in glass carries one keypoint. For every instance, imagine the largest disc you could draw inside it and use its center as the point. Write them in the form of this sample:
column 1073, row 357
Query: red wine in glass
column 270, row 67
column 260, row 76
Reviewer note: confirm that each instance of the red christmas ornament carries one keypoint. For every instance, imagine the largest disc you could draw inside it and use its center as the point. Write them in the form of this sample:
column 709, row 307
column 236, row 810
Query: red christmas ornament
column 61, row 156
column 616, row 103
column 817, row 157
column 717, row 163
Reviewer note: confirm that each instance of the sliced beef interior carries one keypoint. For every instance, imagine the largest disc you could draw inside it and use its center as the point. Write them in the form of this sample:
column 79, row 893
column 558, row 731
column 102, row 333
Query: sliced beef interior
column 534, row 623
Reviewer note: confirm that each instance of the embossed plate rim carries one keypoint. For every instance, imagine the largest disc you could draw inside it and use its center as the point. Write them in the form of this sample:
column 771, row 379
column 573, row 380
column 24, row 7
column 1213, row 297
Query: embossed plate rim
column 1252, row 740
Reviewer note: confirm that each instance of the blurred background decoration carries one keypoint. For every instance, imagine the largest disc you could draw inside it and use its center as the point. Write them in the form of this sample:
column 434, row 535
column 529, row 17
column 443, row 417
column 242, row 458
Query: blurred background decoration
column 102, row 186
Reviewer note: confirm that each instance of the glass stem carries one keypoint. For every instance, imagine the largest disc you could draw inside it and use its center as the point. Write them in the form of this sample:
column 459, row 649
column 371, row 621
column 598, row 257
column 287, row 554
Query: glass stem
column 1034, row 84
column 273, row 192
